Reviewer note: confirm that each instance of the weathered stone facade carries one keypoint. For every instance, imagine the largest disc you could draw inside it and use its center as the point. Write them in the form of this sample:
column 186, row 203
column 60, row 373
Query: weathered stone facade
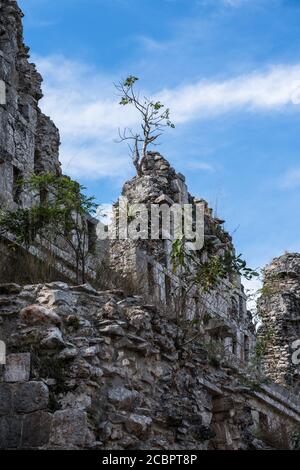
column 99, row 370
column 91, row 369
column 29, row 141
column 279, row 308
column 148, row 262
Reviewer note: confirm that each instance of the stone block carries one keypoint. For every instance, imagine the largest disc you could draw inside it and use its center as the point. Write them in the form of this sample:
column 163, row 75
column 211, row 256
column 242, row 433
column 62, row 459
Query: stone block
column 17, row 368
column 10, row 432
column 222, row 405
column 69, row 428
column 56, row 297
column 181, row 177
column 112, row 330
column 36, row 429
column 138, row 425
column 30, row 396
column 2, row 350
column 5, row 399
column 122, row 397
column 9, row 289
column 53, row 339
column 37, row 315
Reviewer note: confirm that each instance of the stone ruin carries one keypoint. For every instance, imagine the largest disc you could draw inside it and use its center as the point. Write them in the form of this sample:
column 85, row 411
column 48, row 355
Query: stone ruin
column 279, row 307
column 148, row 262
column 102, row 368
column 99, row 370
column 29, row 140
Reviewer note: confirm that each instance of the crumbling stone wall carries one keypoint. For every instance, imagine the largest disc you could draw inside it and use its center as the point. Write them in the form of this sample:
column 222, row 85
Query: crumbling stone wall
column 28, row 140
column 88, row 369
column 279, row 309
column 148, row 262
column 98, row 370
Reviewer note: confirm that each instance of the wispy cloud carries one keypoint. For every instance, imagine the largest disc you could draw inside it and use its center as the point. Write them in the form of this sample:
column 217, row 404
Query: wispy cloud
column 290, row 179
column 229, row 3
column 83, row 104
column 234, row 3
column 198, row 165
column 253, row 292
column 274, row 89
column 42, row 23
column 153, row 45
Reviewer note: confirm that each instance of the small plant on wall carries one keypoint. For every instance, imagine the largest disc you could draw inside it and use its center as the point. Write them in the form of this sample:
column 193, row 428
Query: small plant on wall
column 61, row 214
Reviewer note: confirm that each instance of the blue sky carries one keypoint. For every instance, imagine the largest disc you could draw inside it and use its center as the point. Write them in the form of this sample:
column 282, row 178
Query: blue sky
column 228, row 69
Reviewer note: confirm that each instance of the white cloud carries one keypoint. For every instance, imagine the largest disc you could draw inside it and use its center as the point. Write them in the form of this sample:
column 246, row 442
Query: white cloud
column 105, row 213
column 229, row 3
column 273, row 89
column 290, row 179
column 152, row 45
column 234, row 3
column 83, row 104
column 253, row 291
column 198, row 165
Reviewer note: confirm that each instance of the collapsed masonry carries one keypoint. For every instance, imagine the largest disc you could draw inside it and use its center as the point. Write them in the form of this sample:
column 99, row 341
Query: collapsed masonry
column 104, row 369
column 148, row 262
column 29, row 143
column 100, row 370
column 279, row 307
column 29, row 140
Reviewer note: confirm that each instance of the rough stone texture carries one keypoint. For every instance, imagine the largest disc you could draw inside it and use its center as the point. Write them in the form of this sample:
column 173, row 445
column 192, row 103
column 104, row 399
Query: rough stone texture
column 36, row 314
column 139, row 425
column 10, row 289
column 108, row 368
column 17, row 368
column 279, row 308
column 29, row 140
column 29, row 143
column 69, row 428
column 122, row 397
column 136, row 390
column 5, row 399
column 30, row 396
column 36, row 429
column 145, row 265
column 10, row 432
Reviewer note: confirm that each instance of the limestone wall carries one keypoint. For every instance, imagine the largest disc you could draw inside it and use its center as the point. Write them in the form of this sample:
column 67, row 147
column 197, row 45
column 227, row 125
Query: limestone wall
column 148, row 262
column 99, row 370
column 279, row 308
column 28, row 140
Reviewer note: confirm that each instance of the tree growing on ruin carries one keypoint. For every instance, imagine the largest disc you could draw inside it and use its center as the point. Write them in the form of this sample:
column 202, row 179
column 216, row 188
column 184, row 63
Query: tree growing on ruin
column 194, row 274
column 155, row 118
column 59, row 213
column 207, row 275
